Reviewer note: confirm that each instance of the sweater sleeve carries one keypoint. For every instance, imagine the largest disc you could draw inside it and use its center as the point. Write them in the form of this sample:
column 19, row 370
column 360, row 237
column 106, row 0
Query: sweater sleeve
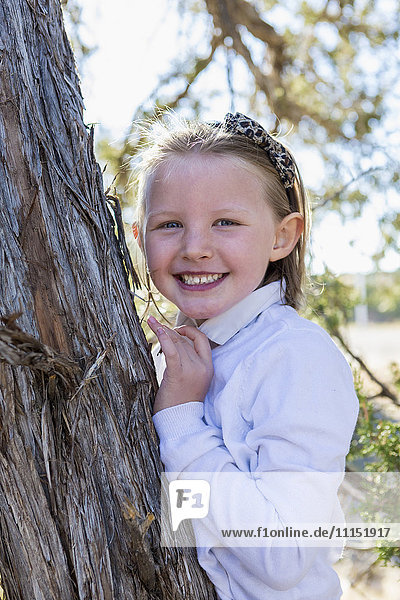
column 297, row 399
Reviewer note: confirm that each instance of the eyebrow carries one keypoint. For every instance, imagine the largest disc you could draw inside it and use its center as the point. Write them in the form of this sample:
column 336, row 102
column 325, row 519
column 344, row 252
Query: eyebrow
column 218, row 210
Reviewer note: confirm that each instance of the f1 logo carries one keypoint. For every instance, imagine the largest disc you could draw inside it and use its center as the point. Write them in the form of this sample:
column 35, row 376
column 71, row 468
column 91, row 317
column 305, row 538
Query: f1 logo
column 189, row 499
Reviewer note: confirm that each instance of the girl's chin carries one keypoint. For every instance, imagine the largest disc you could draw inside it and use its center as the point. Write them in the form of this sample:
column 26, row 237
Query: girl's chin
column 200, row 312
column 197, row 316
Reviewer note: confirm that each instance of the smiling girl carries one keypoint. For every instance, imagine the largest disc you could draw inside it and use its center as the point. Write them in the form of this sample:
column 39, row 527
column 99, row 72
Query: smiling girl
column 247, row 386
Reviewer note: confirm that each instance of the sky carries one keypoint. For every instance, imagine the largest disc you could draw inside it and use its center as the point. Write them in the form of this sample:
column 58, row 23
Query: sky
column 136, row 42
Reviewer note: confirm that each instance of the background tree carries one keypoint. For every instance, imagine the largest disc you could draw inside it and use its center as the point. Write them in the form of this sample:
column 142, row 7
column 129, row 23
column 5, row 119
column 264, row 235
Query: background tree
column 79, row 466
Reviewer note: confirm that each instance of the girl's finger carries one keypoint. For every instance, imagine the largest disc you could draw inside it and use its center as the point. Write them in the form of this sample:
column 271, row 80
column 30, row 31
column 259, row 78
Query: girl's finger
column 200, row 341
column 154, row 324
column 169, row 348
column 183, row 348
column 176, row 337
column 192, row 343
column 152, row 321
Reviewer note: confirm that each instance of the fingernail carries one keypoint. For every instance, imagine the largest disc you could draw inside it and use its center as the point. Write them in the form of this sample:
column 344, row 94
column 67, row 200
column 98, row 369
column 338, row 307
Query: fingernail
column 151, row 320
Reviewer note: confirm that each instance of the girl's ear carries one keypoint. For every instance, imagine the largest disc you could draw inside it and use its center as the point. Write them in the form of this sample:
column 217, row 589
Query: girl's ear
column 286, row 235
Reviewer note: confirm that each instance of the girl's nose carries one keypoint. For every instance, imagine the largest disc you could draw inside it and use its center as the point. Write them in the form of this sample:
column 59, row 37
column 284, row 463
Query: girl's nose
column 196, row 244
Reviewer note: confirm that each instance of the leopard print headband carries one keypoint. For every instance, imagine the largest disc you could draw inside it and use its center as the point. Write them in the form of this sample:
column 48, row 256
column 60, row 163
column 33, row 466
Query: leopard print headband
column 277, row 153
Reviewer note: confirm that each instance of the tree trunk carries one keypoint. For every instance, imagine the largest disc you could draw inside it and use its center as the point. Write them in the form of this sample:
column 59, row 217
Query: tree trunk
column 79, row 464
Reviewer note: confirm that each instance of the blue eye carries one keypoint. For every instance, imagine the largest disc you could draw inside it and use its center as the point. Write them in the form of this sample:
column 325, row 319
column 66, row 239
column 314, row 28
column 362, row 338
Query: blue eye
column 228, row 221
column 169, row 225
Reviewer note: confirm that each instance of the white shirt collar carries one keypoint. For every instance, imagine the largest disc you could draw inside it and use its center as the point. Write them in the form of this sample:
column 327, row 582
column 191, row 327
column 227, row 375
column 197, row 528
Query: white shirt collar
column 221, row 328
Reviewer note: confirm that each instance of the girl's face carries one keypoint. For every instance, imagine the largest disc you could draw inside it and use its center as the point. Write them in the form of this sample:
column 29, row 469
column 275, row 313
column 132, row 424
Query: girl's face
column 207, row 217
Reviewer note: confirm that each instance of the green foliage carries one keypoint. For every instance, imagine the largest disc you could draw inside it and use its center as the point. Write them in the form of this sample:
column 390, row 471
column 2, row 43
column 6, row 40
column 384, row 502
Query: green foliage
column 388, row 555
column 376, row 439
column 330, row 302
column 383, row 296
column 376, row 444
column 331, row 299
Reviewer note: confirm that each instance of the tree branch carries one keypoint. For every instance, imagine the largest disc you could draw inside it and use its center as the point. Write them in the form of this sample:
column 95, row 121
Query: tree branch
column 348, row 184
column 385, row 390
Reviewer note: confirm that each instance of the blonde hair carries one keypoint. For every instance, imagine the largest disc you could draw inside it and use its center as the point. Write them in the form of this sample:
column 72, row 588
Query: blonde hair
column 193, row 138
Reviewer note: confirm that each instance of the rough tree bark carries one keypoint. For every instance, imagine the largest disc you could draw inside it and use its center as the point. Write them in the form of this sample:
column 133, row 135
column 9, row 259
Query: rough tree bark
column 79, row 466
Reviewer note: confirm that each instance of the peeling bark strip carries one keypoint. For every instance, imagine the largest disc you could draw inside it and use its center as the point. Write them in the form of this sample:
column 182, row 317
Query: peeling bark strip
column 19, row 348
column 79, row 466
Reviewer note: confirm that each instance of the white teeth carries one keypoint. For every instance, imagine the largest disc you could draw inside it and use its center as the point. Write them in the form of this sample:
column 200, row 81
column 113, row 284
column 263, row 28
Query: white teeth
column 195, row 279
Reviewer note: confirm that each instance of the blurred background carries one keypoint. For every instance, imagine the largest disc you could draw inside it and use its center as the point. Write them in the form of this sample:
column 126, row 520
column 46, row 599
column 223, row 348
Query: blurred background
column 325, row 75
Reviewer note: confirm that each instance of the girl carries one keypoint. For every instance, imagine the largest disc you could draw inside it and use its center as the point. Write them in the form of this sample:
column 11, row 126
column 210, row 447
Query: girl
column 247, row 386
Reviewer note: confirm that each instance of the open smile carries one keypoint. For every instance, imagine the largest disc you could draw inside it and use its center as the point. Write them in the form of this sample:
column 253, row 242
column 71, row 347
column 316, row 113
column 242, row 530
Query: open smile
column 200, row 282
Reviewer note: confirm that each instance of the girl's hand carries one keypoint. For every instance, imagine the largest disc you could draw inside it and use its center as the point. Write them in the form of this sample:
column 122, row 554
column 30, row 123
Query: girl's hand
column 189, row 370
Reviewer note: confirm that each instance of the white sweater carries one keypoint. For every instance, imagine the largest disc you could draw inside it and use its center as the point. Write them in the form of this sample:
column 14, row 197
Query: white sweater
column 281, row 399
